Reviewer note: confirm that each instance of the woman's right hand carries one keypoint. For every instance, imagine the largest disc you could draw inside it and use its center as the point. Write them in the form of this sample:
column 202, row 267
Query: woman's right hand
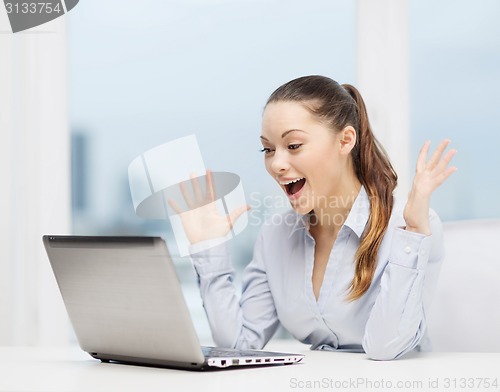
column 202, row 221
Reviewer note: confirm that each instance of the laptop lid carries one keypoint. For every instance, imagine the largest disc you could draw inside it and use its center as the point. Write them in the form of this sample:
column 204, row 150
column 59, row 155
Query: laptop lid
column 123, row 298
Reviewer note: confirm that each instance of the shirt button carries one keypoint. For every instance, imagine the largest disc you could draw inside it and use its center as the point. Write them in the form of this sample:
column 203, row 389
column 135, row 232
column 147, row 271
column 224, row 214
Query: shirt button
column 407, row 249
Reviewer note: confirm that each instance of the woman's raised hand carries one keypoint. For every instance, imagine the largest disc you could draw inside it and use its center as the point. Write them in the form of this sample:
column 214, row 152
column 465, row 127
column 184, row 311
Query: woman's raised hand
column 202, row 221
column 428, row 177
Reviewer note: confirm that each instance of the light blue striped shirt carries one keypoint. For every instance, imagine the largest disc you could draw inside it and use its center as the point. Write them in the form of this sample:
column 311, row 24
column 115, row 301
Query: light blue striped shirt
column 388, row 321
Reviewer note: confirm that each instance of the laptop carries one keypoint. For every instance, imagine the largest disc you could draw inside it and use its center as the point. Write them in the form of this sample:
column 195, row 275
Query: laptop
column 125, row 304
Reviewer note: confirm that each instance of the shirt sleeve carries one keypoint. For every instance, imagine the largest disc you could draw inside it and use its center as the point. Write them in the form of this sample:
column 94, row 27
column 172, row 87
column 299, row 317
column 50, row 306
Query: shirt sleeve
column 245, row 323
column 397, row 322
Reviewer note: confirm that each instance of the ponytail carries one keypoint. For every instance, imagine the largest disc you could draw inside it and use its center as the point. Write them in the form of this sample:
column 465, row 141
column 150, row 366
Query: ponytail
column 339, row 106
column 378, row 177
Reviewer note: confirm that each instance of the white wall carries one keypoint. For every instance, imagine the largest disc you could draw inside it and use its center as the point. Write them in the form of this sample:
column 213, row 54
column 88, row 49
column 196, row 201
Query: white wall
column 383, row 79
column 35, row 182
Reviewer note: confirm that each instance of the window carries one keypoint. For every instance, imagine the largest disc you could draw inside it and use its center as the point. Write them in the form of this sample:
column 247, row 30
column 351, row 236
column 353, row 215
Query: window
column 455, row 79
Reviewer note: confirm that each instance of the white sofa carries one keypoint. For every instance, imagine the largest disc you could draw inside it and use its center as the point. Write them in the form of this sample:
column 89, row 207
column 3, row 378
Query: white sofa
column 465, row 313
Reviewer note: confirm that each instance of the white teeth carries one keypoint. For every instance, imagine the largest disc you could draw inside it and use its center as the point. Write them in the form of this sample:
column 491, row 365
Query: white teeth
column 291, row 182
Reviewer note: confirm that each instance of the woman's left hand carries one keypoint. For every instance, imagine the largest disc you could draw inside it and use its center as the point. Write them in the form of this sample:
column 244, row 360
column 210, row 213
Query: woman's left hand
column 428, row 177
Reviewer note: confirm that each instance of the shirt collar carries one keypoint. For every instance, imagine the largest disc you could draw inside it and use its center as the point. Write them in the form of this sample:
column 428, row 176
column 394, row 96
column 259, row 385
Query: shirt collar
column 301, row 222
column 359, row 214
column 356, row 220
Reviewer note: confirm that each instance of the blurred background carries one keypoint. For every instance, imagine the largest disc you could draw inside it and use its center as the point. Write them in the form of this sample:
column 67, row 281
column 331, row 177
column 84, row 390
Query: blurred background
column 82, row 96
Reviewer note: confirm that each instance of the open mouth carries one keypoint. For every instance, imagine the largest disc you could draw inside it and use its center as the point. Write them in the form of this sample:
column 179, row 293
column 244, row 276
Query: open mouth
column 294, row 186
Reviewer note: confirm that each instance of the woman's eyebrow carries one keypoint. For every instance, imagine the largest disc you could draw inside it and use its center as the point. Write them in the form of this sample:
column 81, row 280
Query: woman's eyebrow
column 291, row 130
column 285, row 133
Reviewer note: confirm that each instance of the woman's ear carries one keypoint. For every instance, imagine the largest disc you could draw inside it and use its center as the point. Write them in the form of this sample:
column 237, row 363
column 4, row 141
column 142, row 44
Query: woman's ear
column 347, row 138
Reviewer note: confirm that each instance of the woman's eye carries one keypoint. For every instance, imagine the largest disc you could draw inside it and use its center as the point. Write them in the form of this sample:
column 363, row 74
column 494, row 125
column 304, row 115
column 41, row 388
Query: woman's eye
column 294, row 146
column 266, row 150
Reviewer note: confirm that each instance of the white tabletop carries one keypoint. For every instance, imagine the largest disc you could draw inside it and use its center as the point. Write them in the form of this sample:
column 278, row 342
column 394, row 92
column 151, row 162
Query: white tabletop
column 70, row 369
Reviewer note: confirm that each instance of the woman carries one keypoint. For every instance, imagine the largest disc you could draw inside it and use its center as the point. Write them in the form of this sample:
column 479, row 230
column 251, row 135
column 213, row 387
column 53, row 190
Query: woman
column 347, row 268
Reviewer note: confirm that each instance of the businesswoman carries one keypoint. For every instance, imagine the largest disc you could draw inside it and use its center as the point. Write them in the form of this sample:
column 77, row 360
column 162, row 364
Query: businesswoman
column 347, row 267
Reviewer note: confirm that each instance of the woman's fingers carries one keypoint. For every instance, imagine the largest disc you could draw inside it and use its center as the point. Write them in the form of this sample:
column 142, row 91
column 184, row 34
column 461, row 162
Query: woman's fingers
column 175, row 206
column 437, row 161
column 200, row 200
column 433, row 173
column 422, row 156
column 443, row 163
column 445, row 174
column 198, row 194
column 236, row 213
column 210, row 187
column 186, row 195
column 197, row 199
column 435, row 157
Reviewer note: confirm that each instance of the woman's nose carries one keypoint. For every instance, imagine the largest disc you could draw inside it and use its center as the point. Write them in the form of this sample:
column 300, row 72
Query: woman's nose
column 279, row 162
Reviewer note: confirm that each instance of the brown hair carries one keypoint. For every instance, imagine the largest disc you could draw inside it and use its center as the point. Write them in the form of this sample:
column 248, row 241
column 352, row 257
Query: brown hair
column 339, row 106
